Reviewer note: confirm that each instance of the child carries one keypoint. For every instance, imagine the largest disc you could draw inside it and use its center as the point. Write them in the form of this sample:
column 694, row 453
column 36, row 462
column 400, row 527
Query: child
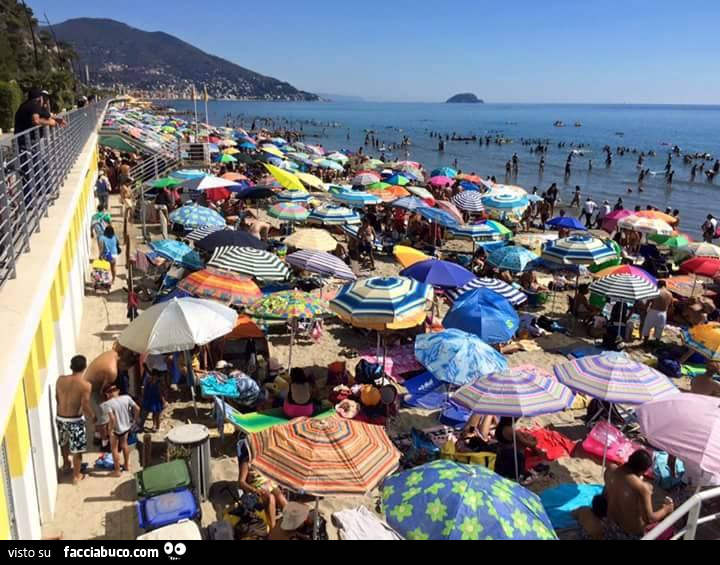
column 120, row 411
column 153, row 399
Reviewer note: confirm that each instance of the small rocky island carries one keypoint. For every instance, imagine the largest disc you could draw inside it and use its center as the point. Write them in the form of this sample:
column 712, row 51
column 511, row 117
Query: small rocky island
column 465, row 98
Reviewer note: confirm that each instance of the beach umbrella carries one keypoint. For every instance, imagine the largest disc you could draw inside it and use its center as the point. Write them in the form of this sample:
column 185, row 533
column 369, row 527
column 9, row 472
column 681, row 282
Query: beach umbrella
column 451, row 209
column 223, row 287
column 513, row 258
column 485, row 314
column 423, row 193
column 468, row 186
column 248, row 146
column 188, row 174
column 272, row 150
column 227, row 142
column 328, row 164
column 177, row 252
column 444, row 172
column 294, row 196
column 670, row 241
column 615, row 378
column 686, row 426
column 312, row 240
column 167, row 182
column 657, row 215
column 331, row 215
column 470, row 178
column 373, row 164
column 178, row 325
column 567, row 223
column 256, row 193
column 201, row 233
column 194, row 216
column 250, row 262
column 706, row 250
column 645, row 225
column 356, row 198
column 377, row 303
column 289, row 212
column 702, row 267
column 441, row 181
column 410, row 203
column 625, row 288
column 237, row 177
column 456, row 357
column 287, row 179
column 378, row 186
column 217, row 194
column 477, row 232
column 231, row 151
column 398, row 180
column 209, row 182
column 440, row 217
column 506, row 201
column 469, row 202
column 445, row 500
column 508, row 292
column 339, row 157
column 365, row 178
column 332, row 456
column 406, row 163
column 322, row 263
column 390, row 195
column 627, row 270
column 704, row 339
column 226, row 159
column 408, row 256
column 687, row 287
column 311, row 180
column 229, row 238
column 579, row 249
column 441, row 274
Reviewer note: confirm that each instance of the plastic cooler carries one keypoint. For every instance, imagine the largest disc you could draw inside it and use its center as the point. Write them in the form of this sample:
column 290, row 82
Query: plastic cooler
column 159, row 479
column 166, row 509
column 186, row 530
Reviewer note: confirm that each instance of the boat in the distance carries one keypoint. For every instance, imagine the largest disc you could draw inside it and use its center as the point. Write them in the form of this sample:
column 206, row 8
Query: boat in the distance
column 559, row 124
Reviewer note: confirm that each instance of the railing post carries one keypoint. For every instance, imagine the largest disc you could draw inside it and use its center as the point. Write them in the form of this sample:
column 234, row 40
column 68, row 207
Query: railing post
column 7, row 239
column 692, row 524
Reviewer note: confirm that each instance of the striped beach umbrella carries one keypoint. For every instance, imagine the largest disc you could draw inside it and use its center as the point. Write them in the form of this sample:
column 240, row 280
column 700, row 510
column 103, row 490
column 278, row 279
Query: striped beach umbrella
column 469, row 202
column 521, row 392
column 332, row 215
column 625, row 287
column 477, row 232
column 193, row 216
column 707, row 250
column 579, row 249
column 382, row 302
column 365, row 178
column 177, row 252
column 506, row 201
column 322, row 263
column 356, row 198
column 508, row 292
column 645, row 225
column 456, row 357
column 230, row 238
column 294, row 197
column 410, row 203
column 260, row 265
column 221, row 286
column 312, row 240
column 289, row 212
column 201, row 233
column 325, row 457
column 513, row 258
column 423, row 193
column 705, row 339
column 627, row 270
column 440, row 217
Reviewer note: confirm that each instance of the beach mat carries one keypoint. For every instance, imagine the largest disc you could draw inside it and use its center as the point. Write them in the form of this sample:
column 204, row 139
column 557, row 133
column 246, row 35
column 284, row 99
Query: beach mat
column 257, row 422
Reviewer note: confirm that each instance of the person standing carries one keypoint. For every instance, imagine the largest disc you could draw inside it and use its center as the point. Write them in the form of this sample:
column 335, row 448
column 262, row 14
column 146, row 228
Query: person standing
column 576, row 201
column 656, row 317
column 709, row 229
column 72, row 394
column 605, row 210
column 588, row 210
column 110, row 249
column 102, row 190
column 120, row 411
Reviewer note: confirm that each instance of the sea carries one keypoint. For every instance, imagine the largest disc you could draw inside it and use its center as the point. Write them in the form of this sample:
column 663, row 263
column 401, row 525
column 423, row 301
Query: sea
column 639, row 128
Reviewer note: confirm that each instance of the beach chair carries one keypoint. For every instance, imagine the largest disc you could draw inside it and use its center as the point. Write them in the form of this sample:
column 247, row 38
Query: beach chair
column 486, row 459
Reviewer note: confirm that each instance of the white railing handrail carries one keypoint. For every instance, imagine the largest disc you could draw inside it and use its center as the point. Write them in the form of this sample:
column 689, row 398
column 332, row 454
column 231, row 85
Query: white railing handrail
column 690, row 508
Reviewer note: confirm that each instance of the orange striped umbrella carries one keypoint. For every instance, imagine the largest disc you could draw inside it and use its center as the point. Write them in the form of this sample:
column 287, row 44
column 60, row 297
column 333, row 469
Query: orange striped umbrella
column 390, row 194
column 221, row 286
column 325, row 457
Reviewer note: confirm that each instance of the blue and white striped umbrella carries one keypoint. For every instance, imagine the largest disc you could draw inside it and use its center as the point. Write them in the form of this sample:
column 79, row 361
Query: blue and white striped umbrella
column 411, row 203
column 381, row 302
column 440, row 217
column 509, row 292
column 506, row 201
column 469, row 202
column 356, row 198
column 477, row 232
column 193, row 216
column 294, row 196
column 514, row 258
column 201, row 233
column 331, row 215
column 321, row 263
column 579, row 249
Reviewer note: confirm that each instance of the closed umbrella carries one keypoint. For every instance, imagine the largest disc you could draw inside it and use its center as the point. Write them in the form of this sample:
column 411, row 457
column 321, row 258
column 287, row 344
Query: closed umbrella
column 177, row 252
column 508, row 292
column 322, row 263
column 441, row 274
column 485, row 314
column 221, row 286
column 229, row 238
column 513, row 258
column 254, row 263
column 312, row 239
column 469, row 202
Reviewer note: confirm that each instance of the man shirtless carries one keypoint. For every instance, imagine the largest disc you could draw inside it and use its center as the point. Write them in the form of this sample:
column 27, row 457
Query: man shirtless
column 656, row 317
column 629, row 497
column 706, row 384
column 258, row 229
column 73, row 406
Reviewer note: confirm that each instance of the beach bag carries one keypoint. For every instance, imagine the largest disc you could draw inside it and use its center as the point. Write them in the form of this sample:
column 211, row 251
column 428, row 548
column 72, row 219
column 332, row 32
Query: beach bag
column 670, row 367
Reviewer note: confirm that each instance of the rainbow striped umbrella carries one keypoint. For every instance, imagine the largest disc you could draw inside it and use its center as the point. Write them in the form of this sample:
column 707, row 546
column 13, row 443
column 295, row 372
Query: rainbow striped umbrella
column 333, row 456
column 288, row 305
column 222, row 287
column 289, row 212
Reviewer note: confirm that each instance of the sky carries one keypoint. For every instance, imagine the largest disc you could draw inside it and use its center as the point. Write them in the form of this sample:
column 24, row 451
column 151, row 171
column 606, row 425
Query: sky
column 629, row 51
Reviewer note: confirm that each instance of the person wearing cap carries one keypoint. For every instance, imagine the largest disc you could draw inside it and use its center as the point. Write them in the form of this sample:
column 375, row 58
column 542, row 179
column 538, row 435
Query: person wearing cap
column 32, row 113
column 295, row 518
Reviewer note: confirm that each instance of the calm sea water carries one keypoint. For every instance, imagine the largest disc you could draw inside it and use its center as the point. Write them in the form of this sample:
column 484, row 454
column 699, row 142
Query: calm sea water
column 695, row 129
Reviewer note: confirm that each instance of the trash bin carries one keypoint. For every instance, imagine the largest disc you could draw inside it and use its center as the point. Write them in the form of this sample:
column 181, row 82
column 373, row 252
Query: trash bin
column 193, row 441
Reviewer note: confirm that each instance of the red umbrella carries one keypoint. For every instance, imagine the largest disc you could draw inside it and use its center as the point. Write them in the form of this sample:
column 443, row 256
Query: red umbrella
column 702, row 266
column 217, row 194
column 610, row 222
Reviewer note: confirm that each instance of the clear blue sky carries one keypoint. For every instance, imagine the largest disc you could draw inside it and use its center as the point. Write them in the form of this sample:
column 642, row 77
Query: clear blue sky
column 635, row 51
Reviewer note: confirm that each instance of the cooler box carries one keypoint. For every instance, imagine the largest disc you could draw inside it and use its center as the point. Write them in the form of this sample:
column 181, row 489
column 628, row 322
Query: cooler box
column 166, row 509
column 163, row 478
column 186, row 530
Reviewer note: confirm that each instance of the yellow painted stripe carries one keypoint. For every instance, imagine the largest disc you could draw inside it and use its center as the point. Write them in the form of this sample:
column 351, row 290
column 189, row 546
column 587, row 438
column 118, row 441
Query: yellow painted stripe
column 45, row 336
column 56, row 301
column 5, row 531
column 17, row 436
column 34, row 380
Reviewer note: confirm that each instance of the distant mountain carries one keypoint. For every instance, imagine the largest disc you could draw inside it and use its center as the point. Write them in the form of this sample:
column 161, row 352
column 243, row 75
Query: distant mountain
column 465, row 98
column 157, row 63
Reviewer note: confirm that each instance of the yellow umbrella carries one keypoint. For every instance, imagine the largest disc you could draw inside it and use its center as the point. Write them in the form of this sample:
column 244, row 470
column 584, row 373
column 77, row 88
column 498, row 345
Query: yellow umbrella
column 285, row 178
column 705, row 339
column 310, row 180
column 273, row 151
column 312, row 240
column 231, row 151
column 407, row 256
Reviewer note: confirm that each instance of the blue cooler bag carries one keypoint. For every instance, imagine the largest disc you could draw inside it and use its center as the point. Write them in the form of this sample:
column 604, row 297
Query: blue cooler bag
column 166, row 509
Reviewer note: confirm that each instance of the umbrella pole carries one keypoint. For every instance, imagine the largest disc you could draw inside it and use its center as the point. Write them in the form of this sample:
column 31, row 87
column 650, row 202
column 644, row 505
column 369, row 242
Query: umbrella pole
column 316, row 519
column 292, row 339
column 191, row 381
column 384, row 363
column 622, row 312
column 607, row 438
column 377, row 348
column 517, row 464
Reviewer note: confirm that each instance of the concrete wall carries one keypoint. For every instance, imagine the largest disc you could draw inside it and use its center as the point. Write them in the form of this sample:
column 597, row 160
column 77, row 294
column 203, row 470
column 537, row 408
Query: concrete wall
column 40, row 315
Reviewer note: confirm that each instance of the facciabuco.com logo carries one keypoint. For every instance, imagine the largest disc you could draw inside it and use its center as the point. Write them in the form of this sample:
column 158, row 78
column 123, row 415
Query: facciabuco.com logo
column 110, row 552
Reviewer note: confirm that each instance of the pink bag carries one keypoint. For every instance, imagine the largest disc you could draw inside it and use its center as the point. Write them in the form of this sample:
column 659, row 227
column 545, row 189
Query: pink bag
column 619, row 448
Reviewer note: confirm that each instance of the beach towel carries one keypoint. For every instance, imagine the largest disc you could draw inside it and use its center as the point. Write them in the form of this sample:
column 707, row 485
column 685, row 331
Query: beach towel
column 554, row 444
column 212, row 386
column 260, row 421
column 359, row 524
column 561, row 501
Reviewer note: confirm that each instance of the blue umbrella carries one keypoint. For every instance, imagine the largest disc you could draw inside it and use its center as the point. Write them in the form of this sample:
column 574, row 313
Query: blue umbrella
column 506, row 201
column 440, row 217
column 356, row 198
column 247, row 145
column 191, row 217
column 513, row 258
column 457, row 358
column 188, row 174
column 444, row 172
column 398, row 180
column 579, row 249
column 567, row 222
column 439, row 273
column 177, row 252
column 467, row 185
column 411, row 203
column 477, row 232
column 509, row 292
column 486, row 314
column 445, row 500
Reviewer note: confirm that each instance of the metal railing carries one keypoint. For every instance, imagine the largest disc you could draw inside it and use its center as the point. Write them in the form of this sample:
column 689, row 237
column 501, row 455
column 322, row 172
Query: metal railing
column 33, row 168
column 691, row 509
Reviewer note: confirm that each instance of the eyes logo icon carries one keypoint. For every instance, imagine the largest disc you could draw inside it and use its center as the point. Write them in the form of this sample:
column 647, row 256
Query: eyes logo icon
column 175, row 552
